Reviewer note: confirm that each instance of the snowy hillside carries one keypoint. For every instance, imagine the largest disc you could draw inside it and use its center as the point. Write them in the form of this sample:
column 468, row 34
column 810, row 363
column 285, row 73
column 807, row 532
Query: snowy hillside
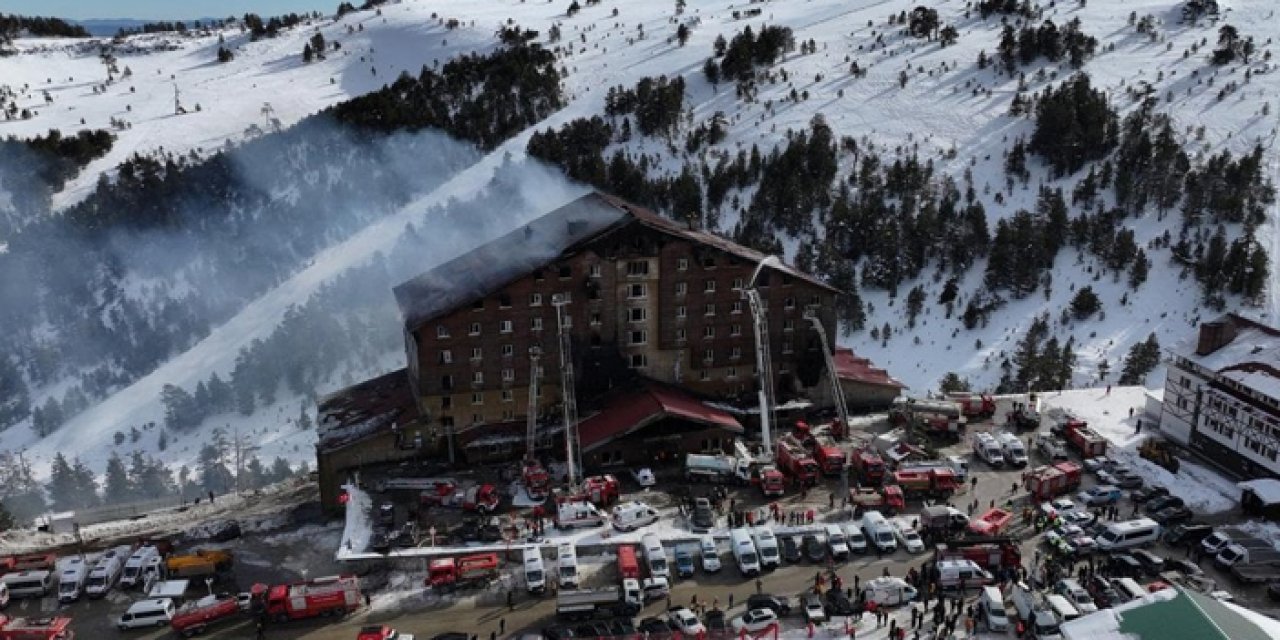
column 912, row 96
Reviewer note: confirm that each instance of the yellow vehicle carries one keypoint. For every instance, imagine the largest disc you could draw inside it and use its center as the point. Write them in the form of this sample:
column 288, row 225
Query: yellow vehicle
column 204, row 562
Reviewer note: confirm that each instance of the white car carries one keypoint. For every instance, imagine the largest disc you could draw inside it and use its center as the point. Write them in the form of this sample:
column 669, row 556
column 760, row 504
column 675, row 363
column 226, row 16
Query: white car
column 1063, row 505
column 644, row 477
column 813, row 610
column 1078, row 518
column 686, row 621
column 709, row 552
column 755, row 620
column 909, row 539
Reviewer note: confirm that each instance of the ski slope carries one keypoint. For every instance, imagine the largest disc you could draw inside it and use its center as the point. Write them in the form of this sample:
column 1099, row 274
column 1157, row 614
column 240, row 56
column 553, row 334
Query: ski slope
column 949, row 111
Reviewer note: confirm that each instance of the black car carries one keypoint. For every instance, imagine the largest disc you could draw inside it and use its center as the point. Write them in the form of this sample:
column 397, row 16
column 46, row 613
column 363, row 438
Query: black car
column 1170, row 516
column 715, row 620
column 1147, row 493
column 557, row 633
column 837, row 604
column 1162, row 503
column 1123, row 565
column 1187, row 534
column 791, row 548
column 1273, row 590
column 622, row 627
column 1131, row 481
column 780, row 605
column 1102, row 592
column 1186, row 567
column 654, row 625
column 379, row 542
column 703, row 517
column 814, row 550
column 1152, row 564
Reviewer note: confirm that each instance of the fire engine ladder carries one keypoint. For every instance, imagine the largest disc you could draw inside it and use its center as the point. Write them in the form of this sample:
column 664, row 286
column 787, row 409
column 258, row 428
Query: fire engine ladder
column 531, row 442
column 842, row 409
column 572, row 447
column 764, row 363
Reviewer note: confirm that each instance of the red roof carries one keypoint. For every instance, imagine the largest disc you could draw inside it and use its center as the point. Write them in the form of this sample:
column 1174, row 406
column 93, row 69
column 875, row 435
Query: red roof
column 852, row 367
column 637, row 409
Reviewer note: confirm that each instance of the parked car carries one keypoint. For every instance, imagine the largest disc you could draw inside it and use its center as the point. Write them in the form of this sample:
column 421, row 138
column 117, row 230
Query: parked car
column 1102, row 591
column 1097, row 463
column 838, row 604
column 703, row 518
column 558, row 632
column 1076, row 594
column 1128, row 481
column 1214, row 542
column 1162, row 503
column 1187, row 533
column 1123, row 565
column 1186, row 567
column 686, row 622
column 1079, row 518
column 780, row 605
column 814, row 550
column 715, row 620
column 1151, row 563
column 1099, row 495
column 644, row 477
column 813, row 610
column 654, row 625
column 754, row 621
column 1148, row 493
column 791, row 549
column 684, row 562
column 1170, row 516
column 1273, row 590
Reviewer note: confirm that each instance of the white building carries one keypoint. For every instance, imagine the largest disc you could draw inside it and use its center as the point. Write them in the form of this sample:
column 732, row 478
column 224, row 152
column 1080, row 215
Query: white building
column 1222, row 395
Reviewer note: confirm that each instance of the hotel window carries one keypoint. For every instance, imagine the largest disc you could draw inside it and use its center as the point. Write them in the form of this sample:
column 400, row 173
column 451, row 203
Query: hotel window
column 735, row 329
column 566, row 321
column 681, row 311
column 446, row 403
column 478, row 305
column 595, row 271
column 708, row 332
column 639, row 360
column 446, row 382
column 682, row 264
column 710, row 309
column 535, row 299
column 504, row 326
column 786, row 347
column 704, row 375
column 639, row 314
column 446, row 357
column 442, row 331
column 737, row 283
column 595, row 318
column 475, row 329
column 535, row 324
column 477, row 418
column 477, row 398
column 789, row 303
column 638, row 268
column 639, row 290
column 733, row 373
column 708, row 355
column 709, row 286
column 788, row 325
column 736, row 354
column 680, row 335
column 815, row 301
column 566, row 272
column 508, row 350
column 476, row 353
column 682, row 288
column 538, row 275
column 708, row 262
column 504, row 301
column 508, row 395
column 508, row 415
column 737, row 306
column 477, row 377
column 639, row 337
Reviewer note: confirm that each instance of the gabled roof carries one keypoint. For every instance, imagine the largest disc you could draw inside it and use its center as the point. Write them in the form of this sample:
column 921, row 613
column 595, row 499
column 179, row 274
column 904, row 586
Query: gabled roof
column 494, row 265
column 637, row 409
column 357, row 412
column 858, row 369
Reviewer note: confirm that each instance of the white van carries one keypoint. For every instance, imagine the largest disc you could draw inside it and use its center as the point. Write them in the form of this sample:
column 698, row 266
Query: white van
column 878, row 532
column 4, row 595
column 136, row 564
column 1129, row 588
column 1128, row 534
column 154, row 612
column 655, row 556
column 104, row 575
column 987, row 449
column 72, row 574
column 952, row 572
column 744, row 552
column 535, row 574
column 889, row 591
column 1015, row 453
column 710, row 554
column 1044, row 625
column 567, row 565
column 1062, row 608
column 29, row 584
column 835, row 543
column 630, row 516
column 991, row 610
column 854, row 538
column 767, row 546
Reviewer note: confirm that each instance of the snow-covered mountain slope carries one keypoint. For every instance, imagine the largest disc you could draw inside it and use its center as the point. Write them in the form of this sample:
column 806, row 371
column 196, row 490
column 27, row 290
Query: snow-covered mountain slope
column 948, row 111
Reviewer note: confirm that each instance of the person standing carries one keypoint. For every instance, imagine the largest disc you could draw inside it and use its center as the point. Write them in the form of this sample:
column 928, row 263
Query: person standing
column 730, row 599
column 502, row 626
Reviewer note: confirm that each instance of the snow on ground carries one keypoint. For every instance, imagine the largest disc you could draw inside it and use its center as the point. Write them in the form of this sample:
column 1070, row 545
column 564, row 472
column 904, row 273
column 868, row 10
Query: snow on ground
column 947, row 105
column 1108, row 413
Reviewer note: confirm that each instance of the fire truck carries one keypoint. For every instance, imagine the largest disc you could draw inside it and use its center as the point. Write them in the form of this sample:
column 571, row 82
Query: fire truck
column 194, row 617
column 974, row 405
column 1050, row 481
column 939, row 418
column 793, row 459
column 992, row 554
column 885, row 499
column 1085, row 440
column 449, row 574
column 332, row 595
column 482, row 498
column 537, row 482
column 35, row 628
column 868, row 465
column 933, row 482
column 829, row 456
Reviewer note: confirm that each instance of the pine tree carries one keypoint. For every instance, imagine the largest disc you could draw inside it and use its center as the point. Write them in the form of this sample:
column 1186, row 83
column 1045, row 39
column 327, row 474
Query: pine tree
column 682, row 34
column 304, row 417
column 1085, row 303
column 255, row 473
column 307, row 53
column 179, row 408
column 116, row 487
column 62, row 484
column 15, row 402
column 280, row 470
column 86, row 484
column 952, row 382
column 318, row 45
column 6, row 518
column 1141, row 359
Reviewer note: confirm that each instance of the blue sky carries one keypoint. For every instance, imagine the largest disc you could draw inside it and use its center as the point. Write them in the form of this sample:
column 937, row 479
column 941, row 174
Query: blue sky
column 162, row 9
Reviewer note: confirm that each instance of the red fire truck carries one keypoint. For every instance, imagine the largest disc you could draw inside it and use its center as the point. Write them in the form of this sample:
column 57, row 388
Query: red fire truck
column 869, row 465
column 319, row 597
column 537, row 482
column 936, row 482
column 466, row 572
column 974, row 405
column 887, row 499
column 483, row 498
column 1050, row 481
column 1088, row 442
column 35, row 628
column 194, row 617
column 991, row 554
column 828, row 454
column 793, row 459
